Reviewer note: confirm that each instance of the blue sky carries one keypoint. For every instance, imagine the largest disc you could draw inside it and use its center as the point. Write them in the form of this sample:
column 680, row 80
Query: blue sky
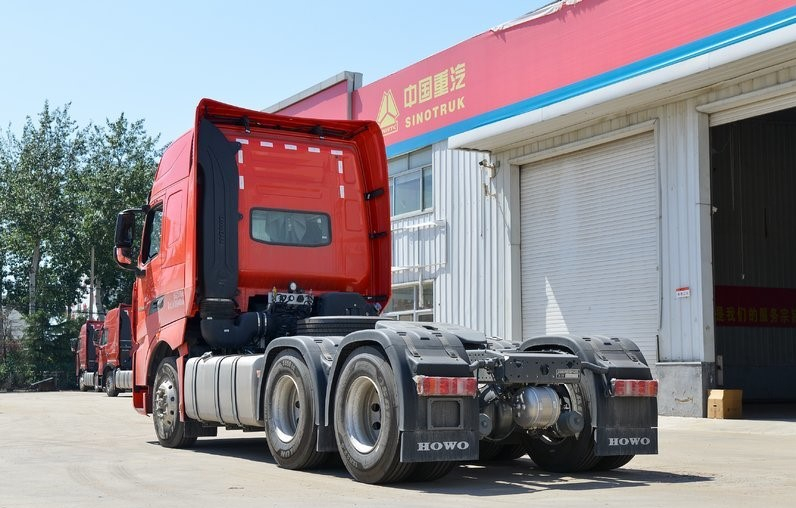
column 154, row 60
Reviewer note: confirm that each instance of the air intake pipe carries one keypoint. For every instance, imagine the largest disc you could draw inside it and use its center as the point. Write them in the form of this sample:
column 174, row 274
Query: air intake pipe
column 221, row 327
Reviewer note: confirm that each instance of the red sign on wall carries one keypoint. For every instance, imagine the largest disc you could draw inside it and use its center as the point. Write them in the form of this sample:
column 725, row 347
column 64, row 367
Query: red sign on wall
column 755, row 306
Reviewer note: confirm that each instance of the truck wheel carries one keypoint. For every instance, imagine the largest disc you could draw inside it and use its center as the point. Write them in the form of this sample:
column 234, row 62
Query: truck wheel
column 366, row 419
column 569, row 454
column 290, row 413
column 165, row 407
column 110, row 384
column 430, row 471
column 612, row 462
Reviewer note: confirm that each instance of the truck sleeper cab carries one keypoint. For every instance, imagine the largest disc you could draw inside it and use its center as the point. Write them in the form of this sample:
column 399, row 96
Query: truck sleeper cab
column 85, row 351
column 114, row 358
column 263, row 265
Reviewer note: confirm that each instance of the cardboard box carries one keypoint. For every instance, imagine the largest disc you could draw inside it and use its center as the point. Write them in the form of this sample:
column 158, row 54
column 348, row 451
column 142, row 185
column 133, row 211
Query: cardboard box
column 725, row 403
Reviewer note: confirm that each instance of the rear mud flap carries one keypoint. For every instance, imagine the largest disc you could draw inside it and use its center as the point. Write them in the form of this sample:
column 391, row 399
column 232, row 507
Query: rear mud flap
column 626, row 441
column 439, row 445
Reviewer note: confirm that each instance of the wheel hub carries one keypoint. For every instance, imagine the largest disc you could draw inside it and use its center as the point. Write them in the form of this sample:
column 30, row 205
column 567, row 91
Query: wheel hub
column 165, row 408
column 287, row 409
column 364, row 415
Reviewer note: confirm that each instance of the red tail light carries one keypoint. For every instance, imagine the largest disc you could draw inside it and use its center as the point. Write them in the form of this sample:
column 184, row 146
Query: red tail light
column 429, row 386
column 634, row 388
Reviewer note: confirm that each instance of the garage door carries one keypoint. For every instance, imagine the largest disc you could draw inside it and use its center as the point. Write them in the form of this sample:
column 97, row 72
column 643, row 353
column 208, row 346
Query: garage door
column 590, row 243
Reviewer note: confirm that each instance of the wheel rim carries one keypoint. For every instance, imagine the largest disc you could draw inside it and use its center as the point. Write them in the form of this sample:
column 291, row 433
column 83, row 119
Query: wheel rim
column 286, row 409
column 108, row 383
column 165, row 408
column 363, row 416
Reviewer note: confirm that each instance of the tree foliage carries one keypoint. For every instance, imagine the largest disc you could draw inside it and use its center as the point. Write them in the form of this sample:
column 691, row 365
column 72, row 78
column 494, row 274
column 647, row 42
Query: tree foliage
column 61, row 187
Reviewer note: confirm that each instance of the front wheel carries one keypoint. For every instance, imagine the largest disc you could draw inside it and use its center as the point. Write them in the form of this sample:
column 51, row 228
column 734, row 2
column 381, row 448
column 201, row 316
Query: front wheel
column 290, row 411
column 110, row 384
column 166, row 407
column 366, row 419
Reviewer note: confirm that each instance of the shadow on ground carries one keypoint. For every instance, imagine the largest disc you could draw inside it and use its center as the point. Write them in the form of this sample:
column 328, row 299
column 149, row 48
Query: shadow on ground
column 519, row 476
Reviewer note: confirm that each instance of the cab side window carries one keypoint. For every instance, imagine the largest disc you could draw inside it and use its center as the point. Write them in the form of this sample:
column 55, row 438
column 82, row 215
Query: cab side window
column 153, row 228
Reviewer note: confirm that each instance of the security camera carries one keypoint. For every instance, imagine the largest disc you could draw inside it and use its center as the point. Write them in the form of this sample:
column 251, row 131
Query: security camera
column 483, row 163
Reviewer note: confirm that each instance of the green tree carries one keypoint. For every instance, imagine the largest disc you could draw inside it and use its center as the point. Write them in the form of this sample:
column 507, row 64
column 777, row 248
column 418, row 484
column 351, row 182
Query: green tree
column 37, row 211
column 121, row 163
column 61, row 187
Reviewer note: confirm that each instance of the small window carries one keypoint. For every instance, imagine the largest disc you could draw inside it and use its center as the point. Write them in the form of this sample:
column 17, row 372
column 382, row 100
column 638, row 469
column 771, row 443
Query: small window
column 285, row 227
column 151, row 244
column 412, row 302
column 104, row 339
column 411, row 183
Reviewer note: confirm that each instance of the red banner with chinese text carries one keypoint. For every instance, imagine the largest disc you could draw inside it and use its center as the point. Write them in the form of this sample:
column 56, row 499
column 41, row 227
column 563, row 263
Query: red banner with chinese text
column 755, row 306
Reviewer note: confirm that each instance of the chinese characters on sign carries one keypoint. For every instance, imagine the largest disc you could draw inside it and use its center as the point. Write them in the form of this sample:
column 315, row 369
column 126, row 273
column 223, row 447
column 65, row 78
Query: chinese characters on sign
column 431, row 87
column 755, row 306
column 438, row 95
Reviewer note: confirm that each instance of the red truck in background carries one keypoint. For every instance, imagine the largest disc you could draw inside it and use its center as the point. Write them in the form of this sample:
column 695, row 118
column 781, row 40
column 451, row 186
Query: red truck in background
column 264, row 262
column 85, row 349
column 103, row 359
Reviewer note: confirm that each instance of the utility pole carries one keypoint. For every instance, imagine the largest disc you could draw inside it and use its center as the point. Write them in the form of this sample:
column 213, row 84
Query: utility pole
column 91, row 288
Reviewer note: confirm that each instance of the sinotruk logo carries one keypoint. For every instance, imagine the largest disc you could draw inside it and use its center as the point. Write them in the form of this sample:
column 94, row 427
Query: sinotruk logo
column 387, row 118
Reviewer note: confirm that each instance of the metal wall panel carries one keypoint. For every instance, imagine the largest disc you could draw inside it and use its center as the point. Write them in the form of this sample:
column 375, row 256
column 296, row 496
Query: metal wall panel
column 590, row 243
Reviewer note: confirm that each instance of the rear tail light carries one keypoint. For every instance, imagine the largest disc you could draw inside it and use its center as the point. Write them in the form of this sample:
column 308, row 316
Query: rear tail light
column 634, row 388
column 429, row 386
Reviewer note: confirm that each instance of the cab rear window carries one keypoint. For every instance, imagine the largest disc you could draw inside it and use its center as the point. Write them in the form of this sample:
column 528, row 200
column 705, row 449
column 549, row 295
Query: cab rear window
column 290, row 227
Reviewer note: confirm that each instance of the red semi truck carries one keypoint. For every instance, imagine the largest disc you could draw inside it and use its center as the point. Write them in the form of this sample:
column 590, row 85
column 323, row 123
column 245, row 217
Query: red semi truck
column 85, row 349
column 103, row 358
column 263, row 264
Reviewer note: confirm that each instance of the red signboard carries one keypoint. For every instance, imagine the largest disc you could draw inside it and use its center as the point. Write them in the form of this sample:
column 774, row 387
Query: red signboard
column 581, row 48
column 755, row 306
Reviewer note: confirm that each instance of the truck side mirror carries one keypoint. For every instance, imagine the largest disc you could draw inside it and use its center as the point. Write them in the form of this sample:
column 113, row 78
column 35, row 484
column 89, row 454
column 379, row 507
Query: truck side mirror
column 123, row 240
column 73, row 344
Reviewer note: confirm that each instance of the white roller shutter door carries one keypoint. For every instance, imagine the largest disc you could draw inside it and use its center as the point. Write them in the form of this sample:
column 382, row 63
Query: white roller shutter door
column 590, row 243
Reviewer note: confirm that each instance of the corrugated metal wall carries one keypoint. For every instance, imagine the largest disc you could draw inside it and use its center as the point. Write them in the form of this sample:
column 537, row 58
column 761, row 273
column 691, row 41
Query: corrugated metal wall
column 471, row 291
column 754, row 183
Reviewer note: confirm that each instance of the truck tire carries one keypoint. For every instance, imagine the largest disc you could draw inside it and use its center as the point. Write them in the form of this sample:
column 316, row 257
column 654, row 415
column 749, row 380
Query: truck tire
column 290, row 411
column 570, row 454
column 612, row 462
column 430, row 471
column 166, row 407
column 110, row 384
column 366, row 419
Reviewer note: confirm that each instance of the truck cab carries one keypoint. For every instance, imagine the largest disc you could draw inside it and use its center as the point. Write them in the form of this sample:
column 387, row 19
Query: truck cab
column 85, row 351
column 114, row 358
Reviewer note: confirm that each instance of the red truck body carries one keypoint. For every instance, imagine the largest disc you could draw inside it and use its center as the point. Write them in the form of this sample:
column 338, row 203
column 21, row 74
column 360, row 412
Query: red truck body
column 264, row 261
column 85, row 350
column 114, row 358
column 103, row 357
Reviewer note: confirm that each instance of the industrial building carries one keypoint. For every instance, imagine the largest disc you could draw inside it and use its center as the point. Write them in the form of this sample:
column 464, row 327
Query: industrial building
column 612, row 167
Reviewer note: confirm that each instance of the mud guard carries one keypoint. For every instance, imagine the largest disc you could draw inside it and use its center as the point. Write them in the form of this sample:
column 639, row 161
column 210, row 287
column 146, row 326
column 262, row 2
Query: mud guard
column 410, row 350
column 623, row 425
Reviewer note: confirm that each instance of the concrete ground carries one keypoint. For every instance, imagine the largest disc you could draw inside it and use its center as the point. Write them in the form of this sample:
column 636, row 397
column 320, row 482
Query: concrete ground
column 65, row 449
